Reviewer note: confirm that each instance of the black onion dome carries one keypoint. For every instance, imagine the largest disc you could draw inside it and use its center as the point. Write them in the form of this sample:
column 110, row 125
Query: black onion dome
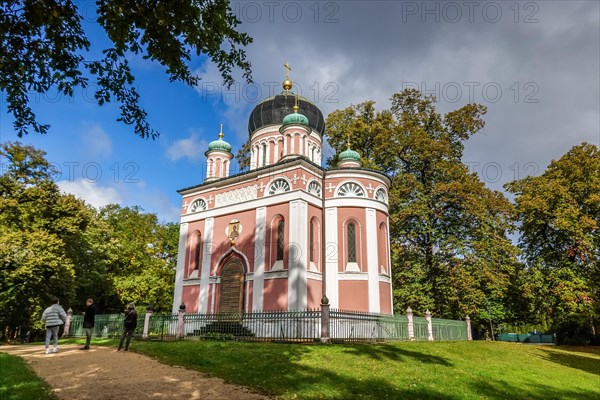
column 272, row 111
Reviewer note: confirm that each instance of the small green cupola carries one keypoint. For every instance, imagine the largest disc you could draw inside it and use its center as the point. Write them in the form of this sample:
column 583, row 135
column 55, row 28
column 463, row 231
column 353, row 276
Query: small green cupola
column 349, row 157
column 295, row 117
column 219, row 144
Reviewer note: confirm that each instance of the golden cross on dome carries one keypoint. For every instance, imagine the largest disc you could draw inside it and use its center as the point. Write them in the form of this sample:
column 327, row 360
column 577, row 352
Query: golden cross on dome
column 287, row 70
column 287, row 84
column 221, row 132
column 296, row 108
column 348, row 141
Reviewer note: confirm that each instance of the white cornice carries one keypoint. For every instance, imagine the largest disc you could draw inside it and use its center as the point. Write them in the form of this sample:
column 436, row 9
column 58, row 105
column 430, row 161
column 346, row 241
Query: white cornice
column 353, row 276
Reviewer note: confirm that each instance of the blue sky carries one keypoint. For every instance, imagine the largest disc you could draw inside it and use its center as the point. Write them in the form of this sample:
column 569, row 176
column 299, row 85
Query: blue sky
column 535, row 65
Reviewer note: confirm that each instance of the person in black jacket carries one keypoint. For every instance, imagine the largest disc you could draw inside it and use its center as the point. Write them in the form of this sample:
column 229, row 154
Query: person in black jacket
column 129, row 325
column 88, row 322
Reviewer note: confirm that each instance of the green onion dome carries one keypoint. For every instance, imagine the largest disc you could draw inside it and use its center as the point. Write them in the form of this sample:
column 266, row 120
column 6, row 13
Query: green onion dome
column 295, row 118
column 348, row 155
column 219, row 144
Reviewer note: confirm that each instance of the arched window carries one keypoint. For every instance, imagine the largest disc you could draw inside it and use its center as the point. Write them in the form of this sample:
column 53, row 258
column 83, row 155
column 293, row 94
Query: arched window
column 264, row 154
column 382, row 249
column 279, row 186
column 314, row 244
column 314, row 188
column 351, row 189
column 280, row 240
column 311, row 238
column 197, row 251
column 351, row 242
column 381, row 195
column 198, row 205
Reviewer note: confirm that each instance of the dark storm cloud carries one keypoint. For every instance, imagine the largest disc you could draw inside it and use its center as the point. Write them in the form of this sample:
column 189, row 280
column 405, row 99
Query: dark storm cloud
column 534, row 64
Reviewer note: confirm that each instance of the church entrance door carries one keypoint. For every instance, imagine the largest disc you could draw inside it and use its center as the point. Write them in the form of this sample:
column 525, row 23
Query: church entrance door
column 232, row 287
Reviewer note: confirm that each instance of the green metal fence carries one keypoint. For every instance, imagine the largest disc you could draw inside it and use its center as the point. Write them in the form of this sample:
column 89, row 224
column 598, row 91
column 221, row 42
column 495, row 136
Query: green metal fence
column 304, row 325
column 448, row 329
column 105, row 325
column 525, row 338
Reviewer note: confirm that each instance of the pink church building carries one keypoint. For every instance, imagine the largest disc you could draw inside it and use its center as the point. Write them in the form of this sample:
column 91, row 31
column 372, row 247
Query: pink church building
column 264, row 239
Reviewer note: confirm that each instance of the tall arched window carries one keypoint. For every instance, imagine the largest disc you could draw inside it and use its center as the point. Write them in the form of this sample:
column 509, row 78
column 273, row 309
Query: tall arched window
column 351, row 243
column 264, row 154
column 382, row 249
column 280, row 238
column 197, row 251
column 312, row 241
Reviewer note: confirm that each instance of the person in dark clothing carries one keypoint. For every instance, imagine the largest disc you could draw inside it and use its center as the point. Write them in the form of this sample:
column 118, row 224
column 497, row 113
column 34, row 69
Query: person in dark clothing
column 88, row 322
column 129, row 325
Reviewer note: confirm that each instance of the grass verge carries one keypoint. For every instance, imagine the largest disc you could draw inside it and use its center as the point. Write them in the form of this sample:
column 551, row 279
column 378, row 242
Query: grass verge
column 19, row 382
column 417, row 370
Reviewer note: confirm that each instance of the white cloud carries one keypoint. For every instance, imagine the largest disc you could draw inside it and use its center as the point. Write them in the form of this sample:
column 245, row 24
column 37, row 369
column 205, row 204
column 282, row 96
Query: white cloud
column 192, row 148
column 97, row 140
column 94, row 194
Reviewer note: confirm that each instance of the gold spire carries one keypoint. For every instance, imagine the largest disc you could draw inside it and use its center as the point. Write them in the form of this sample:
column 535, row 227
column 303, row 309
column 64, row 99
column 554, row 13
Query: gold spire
column 287, row 84
column 296, row 108
column 348, row 142
column 221, row 132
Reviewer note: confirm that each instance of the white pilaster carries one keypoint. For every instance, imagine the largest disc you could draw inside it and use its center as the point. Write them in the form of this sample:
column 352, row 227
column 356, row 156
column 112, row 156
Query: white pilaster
column 332, row 249
column 268, row 153
column 258, row 282
column 297, row 255
column 206, row 262
column 179, row 271
column 389, row 266
column 372, row 267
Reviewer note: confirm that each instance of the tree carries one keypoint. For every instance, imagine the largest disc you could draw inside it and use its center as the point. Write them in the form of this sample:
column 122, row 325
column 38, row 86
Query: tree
column 559, row 216
column 139, row 258
column 39, row 229
column 44, row 46
column 53, row 244
column 449, row 233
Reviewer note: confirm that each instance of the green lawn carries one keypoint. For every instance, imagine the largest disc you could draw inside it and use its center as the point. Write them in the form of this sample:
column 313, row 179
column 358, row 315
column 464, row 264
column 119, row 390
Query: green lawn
column 19, row 382
column 417, row 370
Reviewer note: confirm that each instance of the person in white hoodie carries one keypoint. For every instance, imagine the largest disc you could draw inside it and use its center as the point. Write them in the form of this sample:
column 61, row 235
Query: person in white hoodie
column 53, row 316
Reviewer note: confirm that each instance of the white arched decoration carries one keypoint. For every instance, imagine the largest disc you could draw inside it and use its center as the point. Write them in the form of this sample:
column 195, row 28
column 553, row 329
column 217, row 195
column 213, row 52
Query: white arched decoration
column 350, row 189
column 314, row 187
column 199, row 204
column 279, row 185
column 380, row 195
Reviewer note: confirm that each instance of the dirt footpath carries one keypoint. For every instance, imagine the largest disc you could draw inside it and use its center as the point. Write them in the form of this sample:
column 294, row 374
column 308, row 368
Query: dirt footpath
column 102, row 373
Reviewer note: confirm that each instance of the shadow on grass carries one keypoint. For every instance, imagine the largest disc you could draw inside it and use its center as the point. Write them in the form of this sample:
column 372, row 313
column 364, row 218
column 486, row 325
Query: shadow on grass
column 496, row 389
column 349, row 372
column 586, row 364
column 380, row 352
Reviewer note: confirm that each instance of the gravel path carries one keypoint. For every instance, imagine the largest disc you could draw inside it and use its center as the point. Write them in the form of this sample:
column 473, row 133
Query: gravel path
column 102, row 373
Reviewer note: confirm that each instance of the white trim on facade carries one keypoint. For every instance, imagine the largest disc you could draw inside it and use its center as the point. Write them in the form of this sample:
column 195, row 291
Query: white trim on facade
column 315, row 276
column 331, row 255
column 206, row 263
column 191, row 282
column 179, row 271
column 298, row 243
column 353, row 276
column 259, row 259
column 276, row 274
column 260, row 202
column 372, row 264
